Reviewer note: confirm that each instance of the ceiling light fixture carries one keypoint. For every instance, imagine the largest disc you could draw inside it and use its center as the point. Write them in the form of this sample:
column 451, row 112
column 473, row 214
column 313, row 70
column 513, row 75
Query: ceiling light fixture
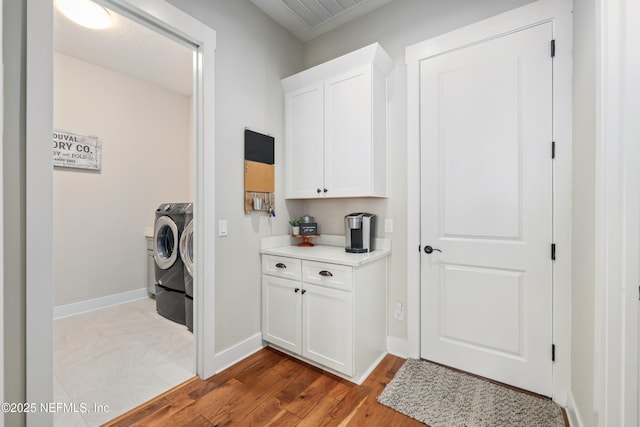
column 85, row 13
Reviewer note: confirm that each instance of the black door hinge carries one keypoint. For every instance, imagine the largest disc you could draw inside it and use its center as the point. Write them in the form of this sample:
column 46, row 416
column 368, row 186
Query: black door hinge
column 553, row 149
column 553, row 352
column 553, row 251
column 553, row 48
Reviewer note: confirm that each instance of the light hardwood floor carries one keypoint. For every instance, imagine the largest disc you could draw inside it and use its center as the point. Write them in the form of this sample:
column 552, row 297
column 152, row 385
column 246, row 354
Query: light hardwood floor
column 270, row 388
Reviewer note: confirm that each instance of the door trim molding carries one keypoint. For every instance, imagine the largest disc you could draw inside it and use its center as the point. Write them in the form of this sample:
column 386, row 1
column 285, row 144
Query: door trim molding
column 559, row 13
column 617, row 233
column 183, row 28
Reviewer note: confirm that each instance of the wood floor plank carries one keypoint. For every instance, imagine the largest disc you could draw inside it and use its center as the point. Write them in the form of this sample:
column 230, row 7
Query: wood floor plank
column 158, row 417
column 349, row 405
column 140, row 413
column 285, row 419
column 341, row 389
column 198, row 421
column 217, row 409
column 257, row 390
column 372, row 413
column 270, row 388
column 203, row 387
column 256, row 370
column 180, row 413
column 321, row 414
column 265, row 413
column 311, row 396
column 302, row 380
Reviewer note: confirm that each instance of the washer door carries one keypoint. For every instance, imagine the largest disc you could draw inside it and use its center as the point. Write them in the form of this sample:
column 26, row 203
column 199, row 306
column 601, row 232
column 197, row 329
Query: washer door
column 186, row 247
column 165, row 238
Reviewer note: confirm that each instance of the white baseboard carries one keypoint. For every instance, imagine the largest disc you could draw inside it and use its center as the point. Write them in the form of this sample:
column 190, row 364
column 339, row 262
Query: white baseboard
column 575, row 420
column 242, row 350
column 97, row 303
column 373, row 366
column 397, row 346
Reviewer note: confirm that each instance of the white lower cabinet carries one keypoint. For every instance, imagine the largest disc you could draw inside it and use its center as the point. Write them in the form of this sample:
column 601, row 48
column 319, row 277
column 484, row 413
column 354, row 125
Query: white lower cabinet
column 327, row 325
column 281, row 313
column 331, row 315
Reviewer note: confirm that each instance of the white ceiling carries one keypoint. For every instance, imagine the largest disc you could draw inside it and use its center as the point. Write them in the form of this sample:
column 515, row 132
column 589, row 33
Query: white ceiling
column 133, row 49
column 129, row 48
column 307, row 19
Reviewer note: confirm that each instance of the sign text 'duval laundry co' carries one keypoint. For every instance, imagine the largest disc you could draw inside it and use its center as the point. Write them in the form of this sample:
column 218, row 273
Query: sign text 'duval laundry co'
column 72, row 150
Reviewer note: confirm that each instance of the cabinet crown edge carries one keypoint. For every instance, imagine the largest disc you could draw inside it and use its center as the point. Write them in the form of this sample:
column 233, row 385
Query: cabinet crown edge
column 372, row 54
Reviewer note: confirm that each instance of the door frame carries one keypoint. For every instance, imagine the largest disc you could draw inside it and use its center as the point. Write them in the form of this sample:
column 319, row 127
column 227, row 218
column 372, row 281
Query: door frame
column 617, row 233
column 559, row 13
column 178, row 25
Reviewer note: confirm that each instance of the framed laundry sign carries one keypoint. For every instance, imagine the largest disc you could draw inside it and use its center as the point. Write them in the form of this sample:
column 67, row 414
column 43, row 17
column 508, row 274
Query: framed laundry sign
column 72, row 150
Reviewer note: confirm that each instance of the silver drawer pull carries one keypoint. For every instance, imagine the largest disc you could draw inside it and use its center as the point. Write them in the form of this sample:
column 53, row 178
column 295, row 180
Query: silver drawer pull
column 325, row 273
column 280, row 265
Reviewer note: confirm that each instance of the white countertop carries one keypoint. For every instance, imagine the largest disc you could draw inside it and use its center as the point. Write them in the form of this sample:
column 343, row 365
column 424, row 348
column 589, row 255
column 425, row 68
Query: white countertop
column 327, row 249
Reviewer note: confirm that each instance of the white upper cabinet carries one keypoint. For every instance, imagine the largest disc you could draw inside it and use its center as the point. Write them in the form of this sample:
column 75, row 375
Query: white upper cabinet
column 336, row 127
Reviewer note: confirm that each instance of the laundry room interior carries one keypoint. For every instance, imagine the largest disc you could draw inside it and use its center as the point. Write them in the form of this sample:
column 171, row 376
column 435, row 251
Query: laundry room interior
column 104, row 217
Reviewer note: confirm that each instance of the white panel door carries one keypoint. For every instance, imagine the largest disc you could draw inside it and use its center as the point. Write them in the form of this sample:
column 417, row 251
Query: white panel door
column 281, row 313
column 305, row 141
column 486, row 134
column 348, row 130
column 327, row 327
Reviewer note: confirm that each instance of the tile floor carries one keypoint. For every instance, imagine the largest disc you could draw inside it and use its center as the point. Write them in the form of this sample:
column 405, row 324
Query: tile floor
column 120, row 356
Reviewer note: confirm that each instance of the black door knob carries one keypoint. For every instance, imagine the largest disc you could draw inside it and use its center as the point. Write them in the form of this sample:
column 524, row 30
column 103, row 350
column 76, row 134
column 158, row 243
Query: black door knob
column 428, row 249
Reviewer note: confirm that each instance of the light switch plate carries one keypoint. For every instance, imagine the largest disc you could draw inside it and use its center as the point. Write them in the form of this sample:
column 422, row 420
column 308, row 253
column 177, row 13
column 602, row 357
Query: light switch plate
column 222, row 228
column 388, row 225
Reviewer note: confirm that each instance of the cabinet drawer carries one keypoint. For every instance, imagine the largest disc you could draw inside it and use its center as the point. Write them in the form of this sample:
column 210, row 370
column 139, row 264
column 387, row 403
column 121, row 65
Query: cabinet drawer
column 289, row 268
column 328, row 275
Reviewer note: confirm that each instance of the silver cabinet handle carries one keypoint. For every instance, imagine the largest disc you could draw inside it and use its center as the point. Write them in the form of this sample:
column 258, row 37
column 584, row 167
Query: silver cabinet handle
column 280, row 265
column 325, row 273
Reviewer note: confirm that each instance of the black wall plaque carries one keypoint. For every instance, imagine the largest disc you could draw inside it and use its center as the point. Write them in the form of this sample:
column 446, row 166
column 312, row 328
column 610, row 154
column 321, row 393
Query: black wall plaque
column 258, row 147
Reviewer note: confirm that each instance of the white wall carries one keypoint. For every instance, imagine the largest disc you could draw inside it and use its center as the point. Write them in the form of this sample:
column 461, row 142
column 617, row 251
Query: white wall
column 584, row 196
column 253, row 53
column 395, row 25
column 100, row 217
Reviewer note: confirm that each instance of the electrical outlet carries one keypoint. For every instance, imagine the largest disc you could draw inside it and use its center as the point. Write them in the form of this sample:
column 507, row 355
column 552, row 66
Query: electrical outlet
column 388, row 225
column 398, row 314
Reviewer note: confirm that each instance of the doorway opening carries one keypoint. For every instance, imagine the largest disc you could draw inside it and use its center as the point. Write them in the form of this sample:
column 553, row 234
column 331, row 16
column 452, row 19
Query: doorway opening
column 180, row 27
column 122, row 147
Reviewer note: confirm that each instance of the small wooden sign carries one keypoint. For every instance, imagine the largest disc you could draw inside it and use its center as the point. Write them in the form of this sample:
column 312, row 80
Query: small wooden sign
column 72, row 150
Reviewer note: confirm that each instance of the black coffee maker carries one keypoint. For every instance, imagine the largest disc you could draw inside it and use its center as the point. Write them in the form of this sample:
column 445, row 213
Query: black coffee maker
column 360, row 232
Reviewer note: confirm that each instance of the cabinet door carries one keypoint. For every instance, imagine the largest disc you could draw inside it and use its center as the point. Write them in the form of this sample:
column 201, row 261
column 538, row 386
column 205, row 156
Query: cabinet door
column 281, row 312
column 348, row 134
column 304, row 142
column 327, row 327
